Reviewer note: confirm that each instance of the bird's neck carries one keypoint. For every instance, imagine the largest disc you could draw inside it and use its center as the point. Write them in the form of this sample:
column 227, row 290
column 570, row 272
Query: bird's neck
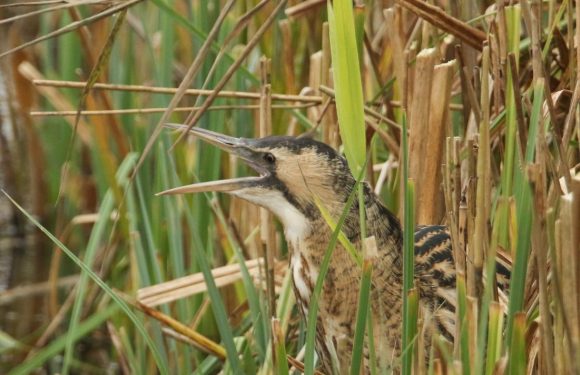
column 312, row 229
column 380, row 223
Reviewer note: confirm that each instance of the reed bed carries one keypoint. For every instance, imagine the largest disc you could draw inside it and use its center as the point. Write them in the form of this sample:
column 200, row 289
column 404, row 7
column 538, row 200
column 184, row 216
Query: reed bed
column 462, row 113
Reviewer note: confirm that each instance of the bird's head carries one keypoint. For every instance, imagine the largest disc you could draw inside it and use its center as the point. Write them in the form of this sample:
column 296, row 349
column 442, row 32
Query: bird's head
column 292, row 172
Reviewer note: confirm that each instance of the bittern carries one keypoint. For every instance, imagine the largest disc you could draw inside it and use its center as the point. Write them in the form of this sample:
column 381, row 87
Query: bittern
column 293, row 174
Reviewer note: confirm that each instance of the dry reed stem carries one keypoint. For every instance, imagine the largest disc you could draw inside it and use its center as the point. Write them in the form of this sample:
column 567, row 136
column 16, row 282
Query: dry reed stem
column 483, row 173
column 8, row 296
column 464, row 257
column 419, row 113
column 147, row 111
column 303, row 7
column 196, row 339
column 288, row 57
column 394, row 30
column 475, row 270
column 171, row 90
column 436, row 16
column 468, row 95
column 66, row 5
column 119, row 348
column 390, row 142
column 569, row 237
column 434, row 140
column 567, row 262
column 314, row 81
column 450, row 186
column 328, row 123
column 189, row 285
column 57, row 100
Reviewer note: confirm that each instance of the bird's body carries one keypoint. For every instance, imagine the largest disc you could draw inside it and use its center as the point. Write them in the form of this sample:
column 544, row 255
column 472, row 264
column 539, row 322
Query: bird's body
column 434, row 275
column 295, row 173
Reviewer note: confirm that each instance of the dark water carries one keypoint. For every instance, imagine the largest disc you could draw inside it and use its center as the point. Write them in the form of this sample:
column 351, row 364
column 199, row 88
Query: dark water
column 24, row 256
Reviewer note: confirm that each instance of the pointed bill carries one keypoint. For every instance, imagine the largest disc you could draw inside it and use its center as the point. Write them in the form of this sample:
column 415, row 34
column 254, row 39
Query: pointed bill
column 217, row 186
column 236, row 146
column 222, row 141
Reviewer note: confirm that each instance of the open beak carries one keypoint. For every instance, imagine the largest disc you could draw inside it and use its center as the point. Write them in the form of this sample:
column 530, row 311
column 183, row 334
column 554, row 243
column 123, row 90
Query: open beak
column 240, row 147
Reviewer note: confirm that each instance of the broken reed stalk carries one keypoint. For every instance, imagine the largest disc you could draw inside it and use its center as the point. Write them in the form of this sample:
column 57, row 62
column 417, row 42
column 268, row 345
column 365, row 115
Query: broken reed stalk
column 480, row 234
column 438, row 17
column 314, row 81
column 449, row 192
column 440, row 97
column 328, row 123
column 474, row 280
column 303, row 7
column 418, row 132
column 189, row 285
column 287, row 56
column 171, row 90
column 199, row 341
column 145, row 111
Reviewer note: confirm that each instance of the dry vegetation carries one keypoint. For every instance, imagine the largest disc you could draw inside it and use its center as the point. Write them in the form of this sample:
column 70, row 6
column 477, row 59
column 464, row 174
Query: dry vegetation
column 488, row 91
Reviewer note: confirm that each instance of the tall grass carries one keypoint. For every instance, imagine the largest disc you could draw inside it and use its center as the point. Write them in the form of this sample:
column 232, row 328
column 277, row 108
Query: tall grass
column 498, row 90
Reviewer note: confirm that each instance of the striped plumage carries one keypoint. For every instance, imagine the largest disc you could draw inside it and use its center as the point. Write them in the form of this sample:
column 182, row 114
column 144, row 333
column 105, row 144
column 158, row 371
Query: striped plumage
column 295, row 173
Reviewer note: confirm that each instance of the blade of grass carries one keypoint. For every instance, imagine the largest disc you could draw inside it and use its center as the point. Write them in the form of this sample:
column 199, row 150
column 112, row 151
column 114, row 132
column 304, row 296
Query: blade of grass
column 159, row 359
column 409, row 318
column 525, row 215
column 494, row 335
column 517, row 357
column 463, row 328
column 94, row 245
column 344, row 241
column 370, row 247
column 218, row 306
column 347, row 81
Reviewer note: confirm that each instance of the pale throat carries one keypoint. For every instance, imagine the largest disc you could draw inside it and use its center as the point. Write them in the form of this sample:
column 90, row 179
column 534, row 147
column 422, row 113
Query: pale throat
column 296, row 230
column 296, row 225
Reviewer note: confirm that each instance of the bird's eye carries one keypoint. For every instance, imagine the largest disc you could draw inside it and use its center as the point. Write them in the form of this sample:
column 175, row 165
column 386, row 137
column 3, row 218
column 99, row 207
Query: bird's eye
column 268, row 157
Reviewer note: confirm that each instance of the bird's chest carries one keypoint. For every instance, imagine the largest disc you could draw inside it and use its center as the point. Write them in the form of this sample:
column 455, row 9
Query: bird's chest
column 338, row 303
column 340, row 288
